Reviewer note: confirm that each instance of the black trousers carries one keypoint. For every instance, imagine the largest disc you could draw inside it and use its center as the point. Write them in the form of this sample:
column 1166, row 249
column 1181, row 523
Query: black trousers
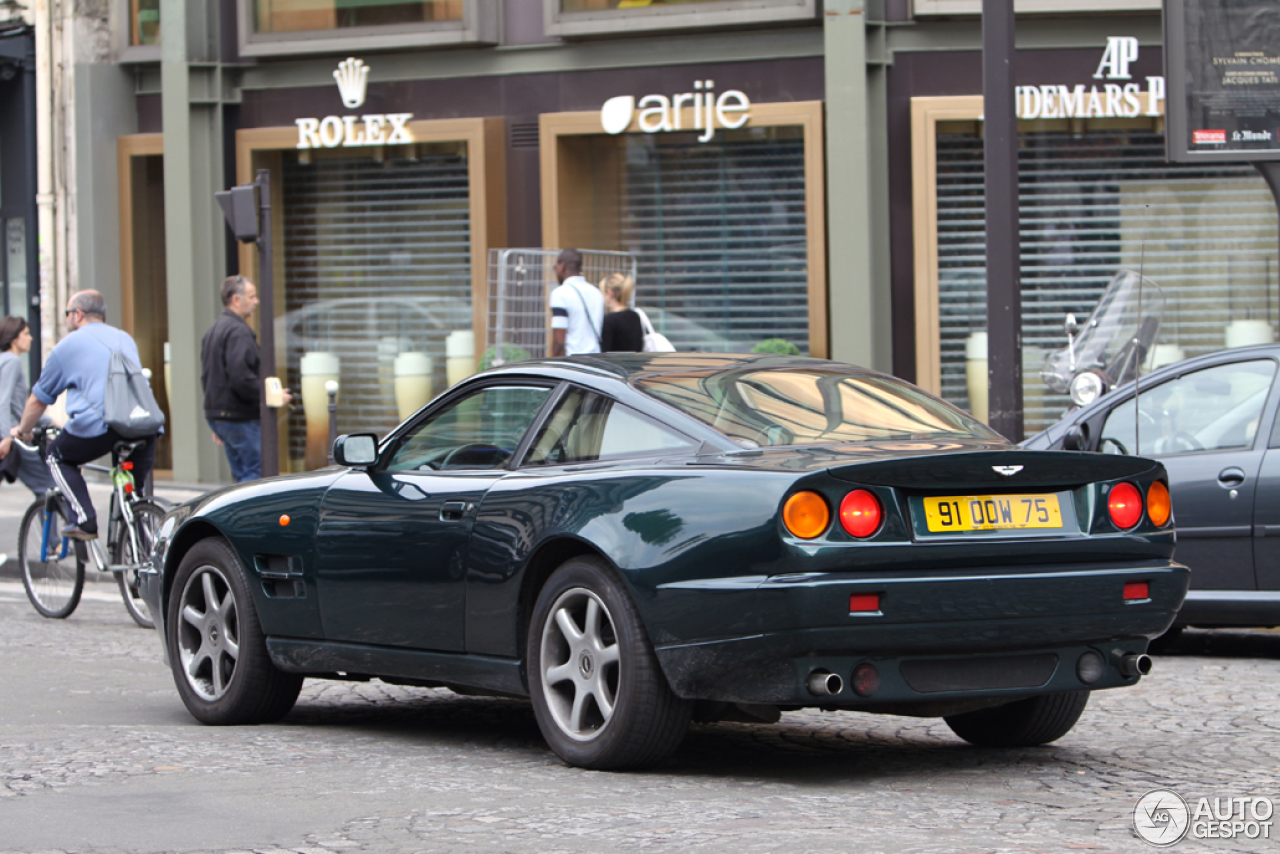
column 67, row 453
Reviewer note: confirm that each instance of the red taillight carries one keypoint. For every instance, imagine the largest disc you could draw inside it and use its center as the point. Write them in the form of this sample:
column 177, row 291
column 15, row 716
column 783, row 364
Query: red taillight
column 1125, row 505
column 861, row 513
column 1137, row 590
column 126, row 465
column 864, row 603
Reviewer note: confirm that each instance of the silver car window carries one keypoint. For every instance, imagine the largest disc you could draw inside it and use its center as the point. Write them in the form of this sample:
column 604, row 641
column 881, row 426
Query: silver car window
column 1211, row 409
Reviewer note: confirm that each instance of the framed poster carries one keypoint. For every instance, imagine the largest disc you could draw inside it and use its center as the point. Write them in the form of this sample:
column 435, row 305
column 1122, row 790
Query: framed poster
column 1222, row 64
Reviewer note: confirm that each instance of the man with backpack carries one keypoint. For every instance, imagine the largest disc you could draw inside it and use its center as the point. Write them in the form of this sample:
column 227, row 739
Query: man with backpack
column 85, row 364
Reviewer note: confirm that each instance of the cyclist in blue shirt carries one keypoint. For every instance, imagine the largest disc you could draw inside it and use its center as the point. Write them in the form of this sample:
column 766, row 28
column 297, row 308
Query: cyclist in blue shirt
column 78, row 365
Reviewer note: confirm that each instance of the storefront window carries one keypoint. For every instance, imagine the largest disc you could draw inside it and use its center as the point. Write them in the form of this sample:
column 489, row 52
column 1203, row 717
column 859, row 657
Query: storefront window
column 598, row 5
column 287, row 16
column 145, row 17
column 1092, row 204
column 15, row 250
column 585, row 17
column 720, row 236
column 378, row 285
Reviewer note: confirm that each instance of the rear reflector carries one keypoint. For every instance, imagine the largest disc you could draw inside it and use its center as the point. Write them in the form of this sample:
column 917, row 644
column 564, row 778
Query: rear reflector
column 1137, row 590
column 1125, row 505
column 863, row 603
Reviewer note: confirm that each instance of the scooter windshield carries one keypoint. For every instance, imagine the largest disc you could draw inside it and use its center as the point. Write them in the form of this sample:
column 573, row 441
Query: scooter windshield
column 1118, row 338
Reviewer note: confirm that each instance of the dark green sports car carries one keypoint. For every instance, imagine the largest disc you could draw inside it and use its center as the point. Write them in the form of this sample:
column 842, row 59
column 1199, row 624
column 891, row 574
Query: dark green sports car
column 637, row 541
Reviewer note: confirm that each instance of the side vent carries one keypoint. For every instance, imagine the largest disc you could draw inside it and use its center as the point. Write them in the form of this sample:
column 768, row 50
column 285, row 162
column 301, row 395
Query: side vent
column 281, row 576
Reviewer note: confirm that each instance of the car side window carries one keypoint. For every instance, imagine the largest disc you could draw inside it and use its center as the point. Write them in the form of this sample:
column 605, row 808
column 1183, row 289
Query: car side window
column 479, row 431
column 586, row 427
column 1211, row 409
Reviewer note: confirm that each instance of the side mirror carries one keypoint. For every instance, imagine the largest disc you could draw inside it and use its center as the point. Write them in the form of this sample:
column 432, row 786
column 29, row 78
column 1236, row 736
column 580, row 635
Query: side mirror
column 1071, row 325
column 356, row 449
column 1075, row 439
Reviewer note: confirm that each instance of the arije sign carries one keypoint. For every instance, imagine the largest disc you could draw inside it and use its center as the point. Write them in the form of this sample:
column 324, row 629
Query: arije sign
column 1112, row 100
column 660, row 114
column 352, row 77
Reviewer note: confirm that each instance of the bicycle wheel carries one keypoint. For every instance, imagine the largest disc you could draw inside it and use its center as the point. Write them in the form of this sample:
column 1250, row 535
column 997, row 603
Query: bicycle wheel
column 146, row 521
column 53, row 585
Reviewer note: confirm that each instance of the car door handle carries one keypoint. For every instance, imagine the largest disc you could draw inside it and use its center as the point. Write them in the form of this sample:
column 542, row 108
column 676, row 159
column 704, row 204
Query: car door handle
column 453, row 511
column 1230, row 478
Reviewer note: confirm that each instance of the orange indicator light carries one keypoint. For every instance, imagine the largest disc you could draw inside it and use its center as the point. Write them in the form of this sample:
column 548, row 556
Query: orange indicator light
column 284, row 520
column 1159, row 507
column 806, row 515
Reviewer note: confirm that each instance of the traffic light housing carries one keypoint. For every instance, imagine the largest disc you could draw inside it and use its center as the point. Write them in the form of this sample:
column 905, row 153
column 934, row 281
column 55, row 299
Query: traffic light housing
column 240, row 207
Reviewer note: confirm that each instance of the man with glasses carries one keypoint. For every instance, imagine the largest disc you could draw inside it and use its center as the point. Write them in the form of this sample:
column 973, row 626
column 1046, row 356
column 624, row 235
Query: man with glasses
column 79, row 366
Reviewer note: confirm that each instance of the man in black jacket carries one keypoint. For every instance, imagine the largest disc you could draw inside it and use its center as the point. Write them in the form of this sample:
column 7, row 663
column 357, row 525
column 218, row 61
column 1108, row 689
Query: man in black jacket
column 232, row 387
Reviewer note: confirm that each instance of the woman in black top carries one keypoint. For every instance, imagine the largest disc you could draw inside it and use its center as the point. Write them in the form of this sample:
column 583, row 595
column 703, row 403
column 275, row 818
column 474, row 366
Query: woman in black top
column 622, row 331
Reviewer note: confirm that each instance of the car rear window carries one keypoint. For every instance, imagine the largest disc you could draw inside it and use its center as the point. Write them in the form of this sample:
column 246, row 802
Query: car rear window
column 797, row 407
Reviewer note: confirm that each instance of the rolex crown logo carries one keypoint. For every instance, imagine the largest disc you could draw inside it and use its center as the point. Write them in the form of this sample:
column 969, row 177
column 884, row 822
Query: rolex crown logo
column 352, row 75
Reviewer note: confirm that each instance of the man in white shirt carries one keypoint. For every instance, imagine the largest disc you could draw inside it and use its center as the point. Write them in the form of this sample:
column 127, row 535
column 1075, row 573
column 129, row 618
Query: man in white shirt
column 577, row 309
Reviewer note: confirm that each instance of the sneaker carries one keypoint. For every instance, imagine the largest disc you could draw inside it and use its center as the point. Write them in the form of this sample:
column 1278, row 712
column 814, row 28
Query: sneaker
column 76, row 532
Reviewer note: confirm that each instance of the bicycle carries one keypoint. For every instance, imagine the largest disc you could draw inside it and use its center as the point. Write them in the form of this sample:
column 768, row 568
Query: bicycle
column 53, row 566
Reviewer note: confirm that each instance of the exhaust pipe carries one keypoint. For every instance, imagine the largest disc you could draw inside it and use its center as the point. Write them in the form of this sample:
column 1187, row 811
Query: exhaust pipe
column 1135, row 665
column 824, row 684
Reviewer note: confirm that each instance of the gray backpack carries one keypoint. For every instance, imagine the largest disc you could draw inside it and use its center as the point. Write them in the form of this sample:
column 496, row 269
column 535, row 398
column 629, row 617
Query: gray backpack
column 128, row 406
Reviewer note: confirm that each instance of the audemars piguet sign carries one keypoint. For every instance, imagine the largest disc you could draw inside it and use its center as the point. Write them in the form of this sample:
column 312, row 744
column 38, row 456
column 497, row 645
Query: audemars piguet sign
column 1222, row 58
column 352, row 76
column 1114, row 93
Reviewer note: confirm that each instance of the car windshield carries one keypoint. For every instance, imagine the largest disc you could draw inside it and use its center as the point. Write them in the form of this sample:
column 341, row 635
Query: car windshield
column 762, row 407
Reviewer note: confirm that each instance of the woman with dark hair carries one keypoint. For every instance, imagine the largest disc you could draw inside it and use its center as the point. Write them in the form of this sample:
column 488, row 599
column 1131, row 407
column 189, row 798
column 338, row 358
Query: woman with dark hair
column 15, row 341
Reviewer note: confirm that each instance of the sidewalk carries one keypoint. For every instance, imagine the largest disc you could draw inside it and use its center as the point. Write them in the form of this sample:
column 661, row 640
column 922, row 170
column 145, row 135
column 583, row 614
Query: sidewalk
column 16, row 498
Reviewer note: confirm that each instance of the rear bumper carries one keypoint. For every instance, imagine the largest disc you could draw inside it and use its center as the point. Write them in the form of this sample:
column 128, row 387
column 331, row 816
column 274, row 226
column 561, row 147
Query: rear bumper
column 1005, row 633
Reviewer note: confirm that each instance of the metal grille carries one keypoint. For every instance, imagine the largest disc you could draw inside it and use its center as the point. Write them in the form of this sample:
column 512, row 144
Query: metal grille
column 1090, row 205
column 524, row 134
column 719, row 231
column 377, row 264
column 520, row 283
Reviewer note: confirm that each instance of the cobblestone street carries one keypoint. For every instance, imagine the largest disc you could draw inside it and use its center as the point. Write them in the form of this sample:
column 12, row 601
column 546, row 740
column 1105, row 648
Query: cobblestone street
column 97, row 754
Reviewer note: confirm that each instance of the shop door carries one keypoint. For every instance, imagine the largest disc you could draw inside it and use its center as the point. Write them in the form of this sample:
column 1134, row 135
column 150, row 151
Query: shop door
column 377, row 264
column 144, row 289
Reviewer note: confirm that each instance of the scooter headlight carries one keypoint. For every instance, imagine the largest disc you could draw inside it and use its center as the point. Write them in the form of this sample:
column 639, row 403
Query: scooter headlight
column 1086, row 388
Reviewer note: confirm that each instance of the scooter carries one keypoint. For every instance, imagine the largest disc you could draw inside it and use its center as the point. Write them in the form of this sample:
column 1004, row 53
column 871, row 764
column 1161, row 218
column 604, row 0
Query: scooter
column 1114, row 346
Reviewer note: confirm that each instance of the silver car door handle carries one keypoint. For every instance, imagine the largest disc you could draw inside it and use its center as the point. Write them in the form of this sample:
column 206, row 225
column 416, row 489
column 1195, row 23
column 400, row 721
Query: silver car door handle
column 453, row 511
column 1229, row 478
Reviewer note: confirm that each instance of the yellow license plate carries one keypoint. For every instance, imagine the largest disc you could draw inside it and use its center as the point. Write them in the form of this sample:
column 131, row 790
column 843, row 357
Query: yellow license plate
column 991, row 513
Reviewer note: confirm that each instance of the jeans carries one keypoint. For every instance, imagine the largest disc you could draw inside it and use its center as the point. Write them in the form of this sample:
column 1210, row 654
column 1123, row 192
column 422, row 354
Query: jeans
column 243, row 443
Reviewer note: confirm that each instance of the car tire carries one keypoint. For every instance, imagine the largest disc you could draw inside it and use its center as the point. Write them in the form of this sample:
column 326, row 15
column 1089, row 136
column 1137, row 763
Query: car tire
column 217, row 650
column 599, row 695
column 1024, row 723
